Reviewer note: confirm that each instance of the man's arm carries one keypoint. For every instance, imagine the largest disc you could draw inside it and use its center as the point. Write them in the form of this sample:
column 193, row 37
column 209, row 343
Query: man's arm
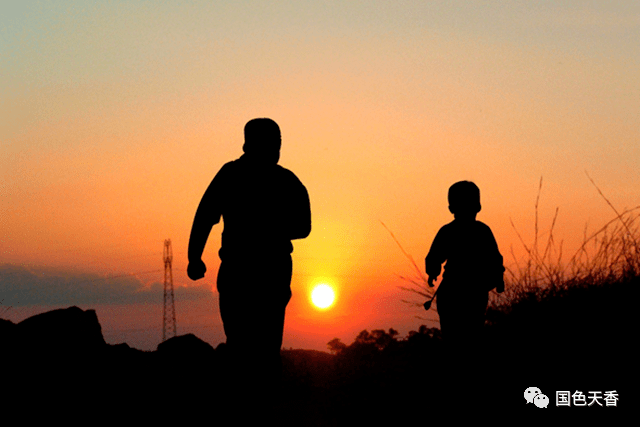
column 299, row 225
column 207, row 215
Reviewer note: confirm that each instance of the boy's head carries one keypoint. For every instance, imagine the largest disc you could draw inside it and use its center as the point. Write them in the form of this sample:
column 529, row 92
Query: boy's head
column 464, row 198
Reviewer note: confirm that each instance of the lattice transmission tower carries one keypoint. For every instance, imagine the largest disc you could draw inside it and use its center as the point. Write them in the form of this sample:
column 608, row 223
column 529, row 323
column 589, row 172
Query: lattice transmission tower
column 169, row 314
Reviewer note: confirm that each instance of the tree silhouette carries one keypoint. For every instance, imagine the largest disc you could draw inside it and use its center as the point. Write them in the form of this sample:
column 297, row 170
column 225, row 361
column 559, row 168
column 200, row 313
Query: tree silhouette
column 378, row 338
column 336, row 346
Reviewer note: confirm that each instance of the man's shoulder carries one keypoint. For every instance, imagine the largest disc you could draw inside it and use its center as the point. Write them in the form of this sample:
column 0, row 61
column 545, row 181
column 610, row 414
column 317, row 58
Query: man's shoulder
column 229, row 166
column 281, row 169
column 240, row 166
column 287, row 174
column 235, row 167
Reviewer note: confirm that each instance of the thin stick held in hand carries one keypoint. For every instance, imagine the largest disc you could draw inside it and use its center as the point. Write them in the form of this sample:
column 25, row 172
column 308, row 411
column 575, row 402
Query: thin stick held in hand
column 427, row 305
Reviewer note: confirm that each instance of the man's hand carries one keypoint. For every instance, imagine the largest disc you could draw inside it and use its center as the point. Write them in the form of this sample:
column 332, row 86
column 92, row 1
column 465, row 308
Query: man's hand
column 196, row 269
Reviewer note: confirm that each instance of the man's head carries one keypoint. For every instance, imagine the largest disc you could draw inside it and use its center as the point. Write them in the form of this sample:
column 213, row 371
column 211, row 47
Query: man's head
column 262, row 138
column 464, row 198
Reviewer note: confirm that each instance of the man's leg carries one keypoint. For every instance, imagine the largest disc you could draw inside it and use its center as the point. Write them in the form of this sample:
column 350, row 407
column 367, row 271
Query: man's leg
column 253, row 300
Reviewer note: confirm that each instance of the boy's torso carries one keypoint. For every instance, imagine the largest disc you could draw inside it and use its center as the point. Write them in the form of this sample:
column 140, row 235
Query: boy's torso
column 470, row 251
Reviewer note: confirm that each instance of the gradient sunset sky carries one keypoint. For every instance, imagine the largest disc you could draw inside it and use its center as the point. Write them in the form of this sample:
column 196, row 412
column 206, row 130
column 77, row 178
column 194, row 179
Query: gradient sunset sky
column 115, row 116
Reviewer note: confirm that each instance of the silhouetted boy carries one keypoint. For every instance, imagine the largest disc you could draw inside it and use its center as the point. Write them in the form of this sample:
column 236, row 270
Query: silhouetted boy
column 473, row 267
column 264, row 206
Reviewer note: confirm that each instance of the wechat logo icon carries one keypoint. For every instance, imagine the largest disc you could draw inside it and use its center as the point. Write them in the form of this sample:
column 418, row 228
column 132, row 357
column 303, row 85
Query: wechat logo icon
column 534, row 395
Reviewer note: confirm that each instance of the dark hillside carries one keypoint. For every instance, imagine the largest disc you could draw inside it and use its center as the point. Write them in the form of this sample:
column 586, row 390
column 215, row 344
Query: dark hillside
column 576, row 337
column 571, row 338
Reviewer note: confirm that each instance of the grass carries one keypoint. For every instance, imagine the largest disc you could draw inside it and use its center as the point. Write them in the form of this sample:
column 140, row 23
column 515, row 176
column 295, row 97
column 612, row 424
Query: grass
column 607, row 257
column 418, row 280
column 576, row 316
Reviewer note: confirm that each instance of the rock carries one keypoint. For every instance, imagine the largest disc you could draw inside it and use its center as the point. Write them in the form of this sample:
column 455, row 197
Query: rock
column 188, row 346
column 7, row 331
column 61, row 356
column 60, row 332
column 191, row 360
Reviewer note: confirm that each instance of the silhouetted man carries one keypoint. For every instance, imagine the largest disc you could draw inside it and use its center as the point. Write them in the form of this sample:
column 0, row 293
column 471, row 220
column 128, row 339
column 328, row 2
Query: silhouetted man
column 264, row 206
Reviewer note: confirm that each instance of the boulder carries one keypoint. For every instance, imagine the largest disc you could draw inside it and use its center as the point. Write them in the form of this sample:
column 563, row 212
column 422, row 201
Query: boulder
column 186, row 346
column 61, row 331
column 7, row 331
column 191, row 360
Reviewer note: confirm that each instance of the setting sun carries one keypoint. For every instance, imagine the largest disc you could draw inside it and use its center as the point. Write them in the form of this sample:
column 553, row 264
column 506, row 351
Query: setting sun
column 323, row 296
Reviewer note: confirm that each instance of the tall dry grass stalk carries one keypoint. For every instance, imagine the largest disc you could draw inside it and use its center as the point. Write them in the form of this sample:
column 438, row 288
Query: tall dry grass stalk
column 608, row 255
column 418, row 280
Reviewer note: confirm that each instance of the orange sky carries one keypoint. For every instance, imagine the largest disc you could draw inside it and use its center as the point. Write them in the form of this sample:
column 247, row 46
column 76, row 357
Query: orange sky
column 116, row 117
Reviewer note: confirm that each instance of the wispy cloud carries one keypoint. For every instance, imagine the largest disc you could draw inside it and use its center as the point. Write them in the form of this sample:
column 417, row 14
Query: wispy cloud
column 26, row 286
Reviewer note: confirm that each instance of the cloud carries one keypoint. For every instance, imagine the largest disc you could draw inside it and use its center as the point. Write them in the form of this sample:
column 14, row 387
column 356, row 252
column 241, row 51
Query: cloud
column 25, row 286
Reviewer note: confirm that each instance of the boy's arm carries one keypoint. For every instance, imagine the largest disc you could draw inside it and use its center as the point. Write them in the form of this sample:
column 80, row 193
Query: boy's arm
column 497, row 261
column 435, row 257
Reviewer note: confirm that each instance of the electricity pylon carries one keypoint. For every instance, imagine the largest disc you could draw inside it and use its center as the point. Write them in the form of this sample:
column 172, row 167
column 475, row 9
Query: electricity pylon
column 169, row 315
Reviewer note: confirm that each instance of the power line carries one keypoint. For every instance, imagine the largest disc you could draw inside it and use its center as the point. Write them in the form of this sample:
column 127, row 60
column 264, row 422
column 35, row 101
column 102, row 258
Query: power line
column 98, row 279
column 119, row 276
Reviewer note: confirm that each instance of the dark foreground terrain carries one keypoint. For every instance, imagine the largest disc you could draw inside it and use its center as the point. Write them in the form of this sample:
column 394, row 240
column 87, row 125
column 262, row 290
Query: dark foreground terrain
column 57, row 365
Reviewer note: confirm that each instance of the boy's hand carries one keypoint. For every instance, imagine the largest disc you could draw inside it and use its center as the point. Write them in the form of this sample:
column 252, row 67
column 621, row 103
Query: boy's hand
column 430, row 281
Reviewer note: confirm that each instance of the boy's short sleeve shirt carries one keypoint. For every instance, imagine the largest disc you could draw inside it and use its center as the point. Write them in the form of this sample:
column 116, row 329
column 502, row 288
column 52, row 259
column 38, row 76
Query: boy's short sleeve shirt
column 470, row 251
